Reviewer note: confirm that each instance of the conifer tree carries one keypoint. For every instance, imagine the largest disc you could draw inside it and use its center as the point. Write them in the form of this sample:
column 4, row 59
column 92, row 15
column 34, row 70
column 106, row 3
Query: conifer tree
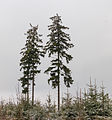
column 105, row 106
column 79, row 106
column 50, row 108
column 57, row 47
column 30, row 60
column 91, row 101
column 67, row 108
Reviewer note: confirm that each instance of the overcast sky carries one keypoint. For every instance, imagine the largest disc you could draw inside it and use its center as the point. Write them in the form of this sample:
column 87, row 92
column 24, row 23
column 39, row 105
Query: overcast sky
column 90, row 23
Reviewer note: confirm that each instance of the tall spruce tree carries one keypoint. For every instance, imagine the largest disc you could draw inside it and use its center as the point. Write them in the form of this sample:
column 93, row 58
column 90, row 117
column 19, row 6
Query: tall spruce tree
column 30, row 60
column 57, row 46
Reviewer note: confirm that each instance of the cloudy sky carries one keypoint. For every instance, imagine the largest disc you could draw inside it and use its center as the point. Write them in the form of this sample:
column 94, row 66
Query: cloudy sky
column 90, row 23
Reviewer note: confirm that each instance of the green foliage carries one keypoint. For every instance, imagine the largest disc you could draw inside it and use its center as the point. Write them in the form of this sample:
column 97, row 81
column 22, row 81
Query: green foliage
column 94, row 105
column 50, row 109
column 91, row 101
column 67, row 108
column 57, row 46
column 105, row 103
column 30, row 60
column 97, row 103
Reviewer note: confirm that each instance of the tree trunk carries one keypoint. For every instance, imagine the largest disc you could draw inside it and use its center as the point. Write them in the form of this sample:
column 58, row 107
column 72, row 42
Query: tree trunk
column 33, row 91
column 28, row 92
column 58, row 95
column 58, row 76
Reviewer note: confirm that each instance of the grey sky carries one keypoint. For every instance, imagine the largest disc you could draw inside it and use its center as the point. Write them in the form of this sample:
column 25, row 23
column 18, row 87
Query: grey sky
column 90, row 23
